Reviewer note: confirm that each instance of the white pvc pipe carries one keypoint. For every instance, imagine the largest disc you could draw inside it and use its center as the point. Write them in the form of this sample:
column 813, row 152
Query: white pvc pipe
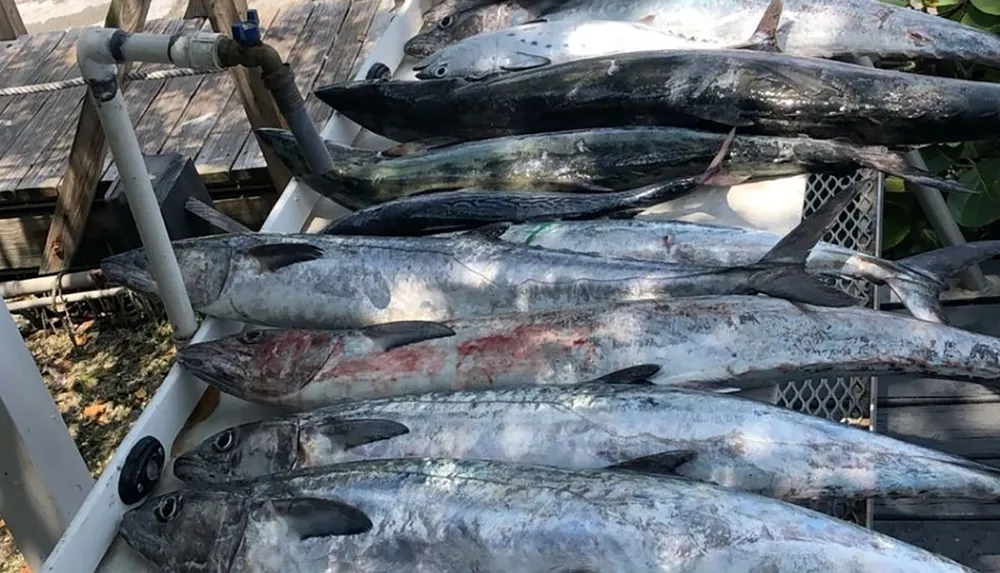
column 68, row 281
column 75, row 297
column 98, row 50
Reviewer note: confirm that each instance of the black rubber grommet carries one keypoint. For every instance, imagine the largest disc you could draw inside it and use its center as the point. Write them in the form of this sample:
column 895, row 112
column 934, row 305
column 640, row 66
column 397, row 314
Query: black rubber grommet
column 141, row 471
column 379, row 71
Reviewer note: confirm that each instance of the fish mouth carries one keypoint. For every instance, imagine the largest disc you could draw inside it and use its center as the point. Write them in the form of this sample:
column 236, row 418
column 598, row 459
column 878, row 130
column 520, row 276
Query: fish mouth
column 130, row 269
column 419, row 47
column 191, row 471
column 209, row 366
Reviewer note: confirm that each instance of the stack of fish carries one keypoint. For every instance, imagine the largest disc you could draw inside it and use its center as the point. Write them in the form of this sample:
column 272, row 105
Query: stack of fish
column 494, row 365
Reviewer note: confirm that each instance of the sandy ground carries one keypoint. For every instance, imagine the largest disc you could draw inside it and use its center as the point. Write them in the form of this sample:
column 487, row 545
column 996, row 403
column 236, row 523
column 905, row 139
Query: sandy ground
column 44, row 15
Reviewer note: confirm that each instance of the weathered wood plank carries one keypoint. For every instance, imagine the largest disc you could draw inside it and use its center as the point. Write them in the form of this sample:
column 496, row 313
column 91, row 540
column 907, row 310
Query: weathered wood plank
column 973, row 544
column 226, row 139
column 48, row 172
column 9, row 52
column 261, row 109
column 11, row 24
column 160, row 118
column 343, row 56
column 22, row 113
column 200, row 116
column 76, row 193
column 22, row 238
column 285, row 37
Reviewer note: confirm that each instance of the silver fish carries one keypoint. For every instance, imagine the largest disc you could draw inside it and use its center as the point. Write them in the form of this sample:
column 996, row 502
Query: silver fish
column 541, row 43
column 726, row 440
column 455, row 516
column 712, row 342
column 326, row 281
column 917, row 280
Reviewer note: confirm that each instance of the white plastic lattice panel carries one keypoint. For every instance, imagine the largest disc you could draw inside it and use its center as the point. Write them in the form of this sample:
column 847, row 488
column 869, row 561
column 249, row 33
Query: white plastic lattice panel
column 843, row 399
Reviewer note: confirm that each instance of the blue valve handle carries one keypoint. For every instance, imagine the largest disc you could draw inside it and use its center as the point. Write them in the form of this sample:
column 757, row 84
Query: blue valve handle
column 247, row 33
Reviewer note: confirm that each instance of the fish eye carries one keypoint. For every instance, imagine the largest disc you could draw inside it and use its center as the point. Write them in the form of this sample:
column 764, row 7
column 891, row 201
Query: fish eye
column 224, row 442
column 252, row 336
column 167, row 509
column 446, row 22
column 441, row 70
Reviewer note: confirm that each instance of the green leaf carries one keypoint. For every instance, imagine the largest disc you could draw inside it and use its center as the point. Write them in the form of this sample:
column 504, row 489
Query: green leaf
column 988, row 6
column 942, row 3
column 979, row 18
column 984, row 208
column 897, row 218
column 936, row 159
column 894, row 231
column 893, row 184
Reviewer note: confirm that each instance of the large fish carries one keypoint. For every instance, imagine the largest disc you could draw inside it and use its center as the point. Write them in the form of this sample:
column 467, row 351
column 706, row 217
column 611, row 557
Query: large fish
column 760, row 93
column 542, row 43
column 918, row 280
column 811, row 28
column 447, row 515
column 608, row 159
column 730, row 441
column 326, row 281
column 450, row 210
column 712, row 342
column 450, row 21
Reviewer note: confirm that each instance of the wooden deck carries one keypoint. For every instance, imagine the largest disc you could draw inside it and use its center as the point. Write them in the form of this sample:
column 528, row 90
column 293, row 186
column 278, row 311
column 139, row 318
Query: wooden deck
column 956, row 417
column 199, row 116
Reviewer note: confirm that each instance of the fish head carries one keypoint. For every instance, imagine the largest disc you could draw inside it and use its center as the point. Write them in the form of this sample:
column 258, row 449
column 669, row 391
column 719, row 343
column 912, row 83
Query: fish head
column 239, row 453
column 261, row 366
column 187, row 531
column 283, row 143
column 204, row 266
column 383, row 105
column 455, row 26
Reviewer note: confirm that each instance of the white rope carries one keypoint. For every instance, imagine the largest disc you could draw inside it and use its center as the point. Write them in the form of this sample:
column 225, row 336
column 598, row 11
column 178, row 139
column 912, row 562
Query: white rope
column 78, row 82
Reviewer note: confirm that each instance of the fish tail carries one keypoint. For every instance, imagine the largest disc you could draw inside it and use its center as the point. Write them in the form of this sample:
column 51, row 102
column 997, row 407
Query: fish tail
column 781, row 272
column 922, row 278
column 893, row 163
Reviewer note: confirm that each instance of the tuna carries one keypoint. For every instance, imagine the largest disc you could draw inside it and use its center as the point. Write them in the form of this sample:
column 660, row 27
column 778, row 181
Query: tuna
column 726, row 440
column 716, row 343
column 448, row 22
column 542, row 43
column 606, row 159
column 918, row 280
column 326, row 281
column 811, row 28
column 455, row 516
column 716, row 90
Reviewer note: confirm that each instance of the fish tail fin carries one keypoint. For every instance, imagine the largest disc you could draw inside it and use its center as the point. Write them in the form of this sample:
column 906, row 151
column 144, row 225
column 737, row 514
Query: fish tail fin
column 782, row 271
column 765, row 37
column 892, row 162
column 923, row 277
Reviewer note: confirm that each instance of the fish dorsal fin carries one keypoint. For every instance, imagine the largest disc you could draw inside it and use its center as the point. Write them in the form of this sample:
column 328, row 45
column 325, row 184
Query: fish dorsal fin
column 521, row 61
column 795, row 247
column 417, row 147
column 661, row 463
column 389, row 335
column 353, row 433
column 309, row 517
column 638, row 374
column 647, row 20
column 765, row 37
column 535, row 21
column 280, row 255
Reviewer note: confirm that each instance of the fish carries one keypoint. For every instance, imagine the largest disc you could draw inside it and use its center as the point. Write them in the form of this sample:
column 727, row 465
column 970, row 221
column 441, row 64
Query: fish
column 811, row 28
column 733, row 442
column 449, row 21
column 917, row 280
column 586, row 160
column 451, row 515
column 332, row 281
column 450, row 210
column 541, row 43
column 715, row 90
column 725, row 343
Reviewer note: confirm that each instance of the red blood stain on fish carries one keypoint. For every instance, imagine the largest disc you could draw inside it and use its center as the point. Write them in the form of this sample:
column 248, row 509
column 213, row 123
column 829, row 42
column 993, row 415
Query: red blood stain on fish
column 525, row 350
column 293, row 358
column 382, row 374
column 918, row 38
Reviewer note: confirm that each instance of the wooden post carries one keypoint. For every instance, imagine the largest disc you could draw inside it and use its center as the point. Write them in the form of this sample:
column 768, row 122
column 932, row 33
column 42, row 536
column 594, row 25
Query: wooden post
column 11, row 25
column 86, row 158
column 260, row 107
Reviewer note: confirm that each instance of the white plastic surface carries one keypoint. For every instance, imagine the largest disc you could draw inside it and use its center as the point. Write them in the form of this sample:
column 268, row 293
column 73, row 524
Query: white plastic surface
column 91, row 538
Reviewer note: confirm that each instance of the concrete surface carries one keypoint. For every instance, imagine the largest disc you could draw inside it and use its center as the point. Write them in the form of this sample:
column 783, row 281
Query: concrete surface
column 45, row 15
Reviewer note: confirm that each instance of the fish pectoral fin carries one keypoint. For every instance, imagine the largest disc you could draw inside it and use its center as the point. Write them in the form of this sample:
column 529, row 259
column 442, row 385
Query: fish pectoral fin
column 309, row 517
column 647, row 20
column 661, row 463
column 728, row 116
column 521, row 61
column 353, row 433
column 280, row 255
column 389, row 335
column 638, row 374
column 765, row 37
column 419, row 146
